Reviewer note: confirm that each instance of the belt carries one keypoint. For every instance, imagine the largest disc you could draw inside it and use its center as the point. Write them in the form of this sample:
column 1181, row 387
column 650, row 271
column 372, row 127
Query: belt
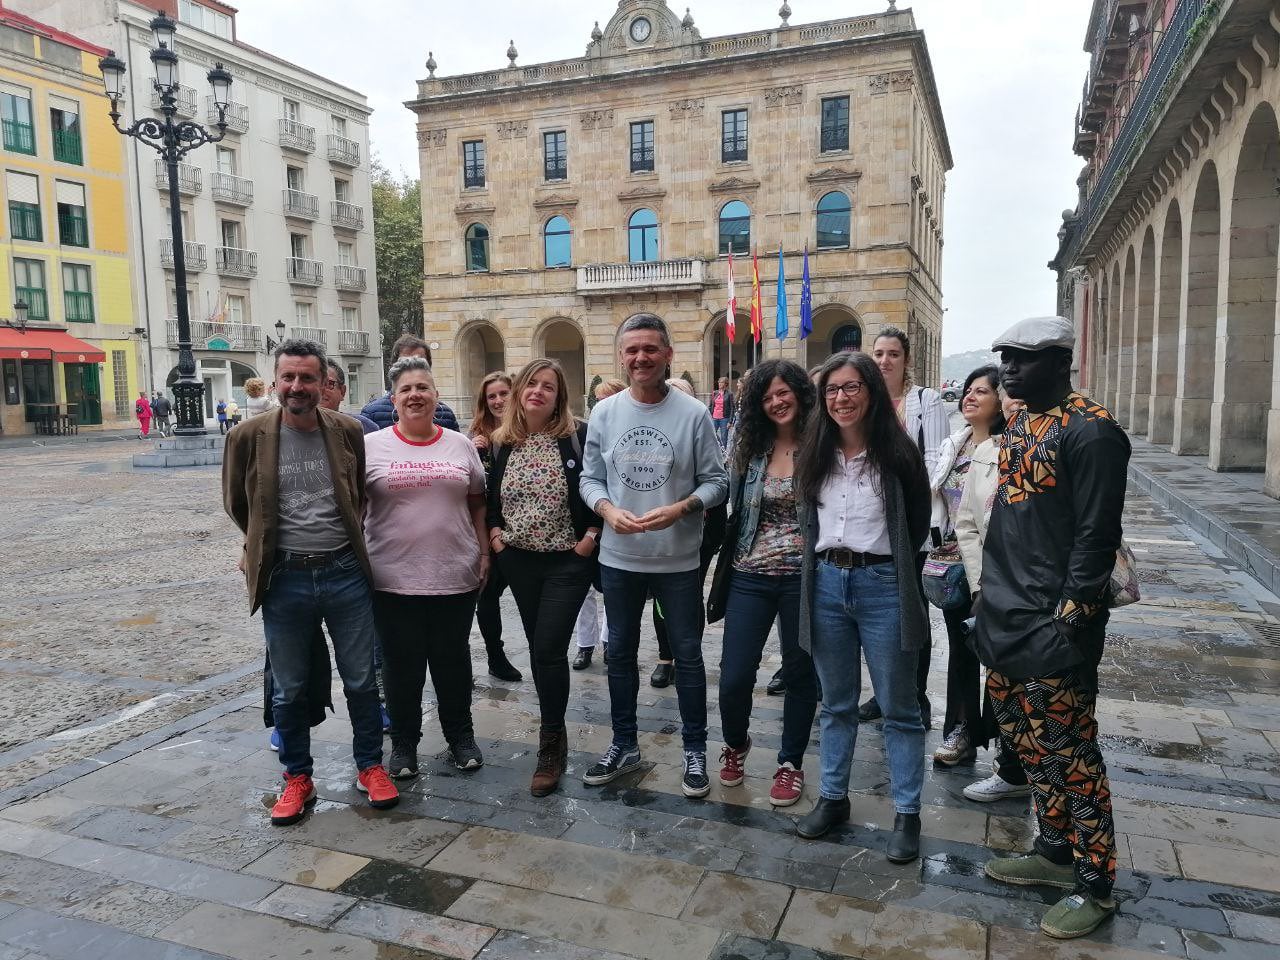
column 310, row 561
column 846, row 559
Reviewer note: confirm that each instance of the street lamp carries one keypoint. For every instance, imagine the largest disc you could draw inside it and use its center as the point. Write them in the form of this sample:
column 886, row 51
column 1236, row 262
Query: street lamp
column 19, row 321
column 173, row 139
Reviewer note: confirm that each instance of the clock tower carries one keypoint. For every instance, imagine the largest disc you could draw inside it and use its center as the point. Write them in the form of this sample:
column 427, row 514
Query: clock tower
column 642, row 25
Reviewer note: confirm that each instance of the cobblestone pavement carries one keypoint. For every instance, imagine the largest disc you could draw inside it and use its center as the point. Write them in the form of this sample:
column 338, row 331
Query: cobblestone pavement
column 135, row 782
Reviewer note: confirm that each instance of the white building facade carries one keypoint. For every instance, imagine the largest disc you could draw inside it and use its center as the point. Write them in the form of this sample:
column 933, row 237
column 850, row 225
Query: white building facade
column 277, row 218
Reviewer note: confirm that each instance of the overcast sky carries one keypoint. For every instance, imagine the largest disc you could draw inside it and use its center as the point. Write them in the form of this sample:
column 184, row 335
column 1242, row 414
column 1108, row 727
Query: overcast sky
column 1009, row 75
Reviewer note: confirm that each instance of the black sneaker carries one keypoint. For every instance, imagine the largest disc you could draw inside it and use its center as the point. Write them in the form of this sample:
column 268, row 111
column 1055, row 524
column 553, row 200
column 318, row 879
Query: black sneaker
column 695, row 783
column 615, row 762
column 404, row 761
column 502, row 668
column 466, row 755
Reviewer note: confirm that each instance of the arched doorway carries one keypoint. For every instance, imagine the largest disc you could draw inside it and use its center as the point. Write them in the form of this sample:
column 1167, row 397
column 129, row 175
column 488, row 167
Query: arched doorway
column 561, row 340
column 223, row 379
column 1242, row 399
column 835, row 329
column 1164, row 374
column 480, row 351
column 723, row 359
column 1199, row 327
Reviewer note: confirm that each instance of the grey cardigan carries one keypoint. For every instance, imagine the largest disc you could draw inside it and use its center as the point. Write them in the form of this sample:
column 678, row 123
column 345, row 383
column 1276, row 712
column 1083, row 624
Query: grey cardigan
column 907, row 507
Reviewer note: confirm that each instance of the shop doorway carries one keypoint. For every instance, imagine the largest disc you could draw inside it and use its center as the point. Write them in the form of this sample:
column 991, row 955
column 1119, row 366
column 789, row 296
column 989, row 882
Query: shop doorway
column 84, row 389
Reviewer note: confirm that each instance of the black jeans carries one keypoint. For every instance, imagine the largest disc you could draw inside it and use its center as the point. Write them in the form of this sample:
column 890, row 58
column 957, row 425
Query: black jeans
column 754, row 601
column 489, row 611
column 964, row 679
column 420, row 633
column 549, row 589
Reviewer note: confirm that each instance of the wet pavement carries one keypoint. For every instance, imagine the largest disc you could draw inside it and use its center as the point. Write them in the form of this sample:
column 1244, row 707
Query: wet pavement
column 135, row 782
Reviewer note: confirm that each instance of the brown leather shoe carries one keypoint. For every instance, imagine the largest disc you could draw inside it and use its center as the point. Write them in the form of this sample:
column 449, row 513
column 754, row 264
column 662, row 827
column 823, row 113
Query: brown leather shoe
column 553, row 756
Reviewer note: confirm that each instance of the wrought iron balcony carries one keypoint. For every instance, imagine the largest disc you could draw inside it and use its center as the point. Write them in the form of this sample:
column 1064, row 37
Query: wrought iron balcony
column 344, row 214
column 235, row 262
column 626, row 277
column 184, row 98
column 228, row 188
column 210, row 335
column 309, row 273
column 237, row 115
column 304, row 206
column 318, row 334
column 296, row 136
column 353, row 343
column 344, row 151
column 347, row 277
column 190, row 178
column 193, row 254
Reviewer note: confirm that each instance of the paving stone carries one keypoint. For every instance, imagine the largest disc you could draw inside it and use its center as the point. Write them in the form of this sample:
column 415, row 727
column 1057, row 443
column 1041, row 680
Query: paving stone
column 385, row 834
column 415, row 888
column 510, row 945
column 878, row 931
column 441, row 935
column 216, row 846
column 307, row 866
column 1153, row 855
column 1250, row 926
column 584, row 923
column 793, row 873
column 52, row 811
column 636, row 882
column 749, row 948
column 1203, row 946
column 134, row 907
column 30, row 840
column 656, row 843
column 1010, row 944
column 731, row 902
column 70, row 938
column 1230, row 866
column 129, row 828
column 316, row 908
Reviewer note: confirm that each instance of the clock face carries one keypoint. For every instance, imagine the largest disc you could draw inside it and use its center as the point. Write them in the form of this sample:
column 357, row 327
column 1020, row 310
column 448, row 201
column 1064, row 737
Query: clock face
column 640, row 29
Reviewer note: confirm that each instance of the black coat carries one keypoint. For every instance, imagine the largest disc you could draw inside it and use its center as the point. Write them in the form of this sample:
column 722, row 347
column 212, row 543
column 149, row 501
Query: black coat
column 571, row 458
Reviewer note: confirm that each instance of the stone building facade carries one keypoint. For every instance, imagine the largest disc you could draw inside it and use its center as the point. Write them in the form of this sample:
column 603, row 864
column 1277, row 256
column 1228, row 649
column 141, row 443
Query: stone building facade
column 1169, row 261
column 561, row 198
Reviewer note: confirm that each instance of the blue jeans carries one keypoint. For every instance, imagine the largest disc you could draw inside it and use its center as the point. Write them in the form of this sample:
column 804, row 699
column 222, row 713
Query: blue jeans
column 296, row 604
column 754, row 601
column 857, row 610
column 722, row 431
column 680, row 595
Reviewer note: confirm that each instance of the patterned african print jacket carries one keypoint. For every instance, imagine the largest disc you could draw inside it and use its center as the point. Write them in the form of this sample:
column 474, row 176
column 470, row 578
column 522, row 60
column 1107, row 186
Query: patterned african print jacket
column 1052, row 540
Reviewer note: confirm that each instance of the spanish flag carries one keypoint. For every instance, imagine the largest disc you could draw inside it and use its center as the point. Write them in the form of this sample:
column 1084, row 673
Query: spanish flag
column 757, row 315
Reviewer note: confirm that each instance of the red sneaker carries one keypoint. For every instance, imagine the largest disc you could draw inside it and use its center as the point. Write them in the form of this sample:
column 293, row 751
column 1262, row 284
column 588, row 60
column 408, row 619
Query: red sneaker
column 375, row 782
column 732, row 762
column 299, row 793
column 788, row 785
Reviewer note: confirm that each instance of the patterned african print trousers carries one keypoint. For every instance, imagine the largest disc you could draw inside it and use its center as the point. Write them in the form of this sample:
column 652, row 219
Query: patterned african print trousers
column 1050, row 723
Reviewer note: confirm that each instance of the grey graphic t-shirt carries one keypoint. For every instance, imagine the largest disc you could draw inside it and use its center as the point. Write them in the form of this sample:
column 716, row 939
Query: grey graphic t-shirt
column 308, row 510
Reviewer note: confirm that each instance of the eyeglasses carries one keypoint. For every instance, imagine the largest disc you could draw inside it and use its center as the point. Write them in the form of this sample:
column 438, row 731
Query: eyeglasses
column 332, row 384
column 850, row 389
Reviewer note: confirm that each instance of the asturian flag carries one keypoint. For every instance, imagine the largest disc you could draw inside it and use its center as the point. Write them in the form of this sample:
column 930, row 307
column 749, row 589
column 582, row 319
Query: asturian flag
column 757, row 315
column 806, row 299
column 730, row 317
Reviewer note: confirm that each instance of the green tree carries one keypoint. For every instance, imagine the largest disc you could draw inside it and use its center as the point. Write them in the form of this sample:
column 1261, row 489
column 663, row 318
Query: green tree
column 397, row 238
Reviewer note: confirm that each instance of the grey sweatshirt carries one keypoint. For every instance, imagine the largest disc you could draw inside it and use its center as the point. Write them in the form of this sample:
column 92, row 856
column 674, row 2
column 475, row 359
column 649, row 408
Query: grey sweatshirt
column 645, row 455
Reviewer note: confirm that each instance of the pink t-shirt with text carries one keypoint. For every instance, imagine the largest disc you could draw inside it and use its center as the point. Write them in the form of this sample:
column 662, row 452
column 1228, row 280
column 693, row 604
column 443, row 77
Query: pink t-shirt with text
column 417, row 524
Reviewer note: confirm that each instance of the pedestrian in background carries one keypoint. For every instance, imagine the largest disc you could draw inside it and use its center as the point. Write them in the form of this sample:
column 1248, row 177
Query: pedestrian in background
column 544, row 539
column 142, row 410
column 294, row 482
column 430, row 554
column 867, row 505
column 382, row 411
column 491, row 403
column 334, row 393
column 1042, row 615
column 233, row 413
column 722, row 410
column 221, row 411
column 161, row 409
column 758, row 577
column 257, row 401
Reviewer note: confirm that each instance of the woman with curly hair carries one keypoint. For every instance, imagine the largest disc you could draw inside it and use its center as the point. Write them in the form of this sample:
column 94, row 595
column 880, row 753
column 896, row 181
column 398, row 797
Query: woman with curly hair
column 758, row 576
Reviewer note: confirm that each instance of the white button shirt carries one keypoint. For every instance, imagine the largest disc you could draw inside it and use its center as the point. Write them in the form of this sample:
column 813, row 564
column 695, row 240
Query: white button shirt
column 850, row 511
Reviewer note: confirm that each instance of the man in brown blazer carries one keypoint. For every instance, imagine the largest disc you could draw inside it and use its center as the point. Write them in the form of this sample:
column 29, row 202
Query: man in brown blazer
column 293, row 482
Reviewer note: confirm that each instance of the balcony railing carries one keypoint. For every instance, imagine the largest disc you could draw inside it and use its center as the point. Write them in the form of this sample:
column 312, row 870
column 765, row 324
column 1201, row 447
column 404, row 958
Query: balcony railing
column 19, row 137
column 67, row 147
column 305, row 206
column 318, row 334
column 237, row 115
column 347, row 277
column 190, row 178
column 228, row 188
column 78, row 305
column 344, row 151
column 622, row 277
column 307, row 272
column 192, row 252
column 184, row 100
column 353, row 343
column 344, row 214
column 209, row 335
column 297, row 136
column 235, row 262
column 73, row 229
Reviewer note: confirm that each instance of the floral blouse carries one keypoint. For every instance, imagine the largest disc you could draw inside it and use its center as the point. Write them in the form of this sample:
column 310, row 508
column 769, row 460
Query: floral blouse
column 535, row 498
column 778, row 546
column 953, row 487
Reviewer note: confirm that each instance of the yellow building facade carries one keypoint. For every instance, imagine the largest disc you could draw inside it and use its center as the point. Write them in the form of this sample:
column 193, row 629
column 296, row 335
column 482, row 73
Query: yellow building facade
column 64, row 239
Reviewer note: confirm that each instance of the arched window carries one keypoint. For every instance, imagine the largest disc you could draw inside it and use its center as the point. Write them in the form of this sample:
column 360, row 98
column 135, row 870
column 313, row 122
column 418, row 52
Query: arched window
column 833, row 221
column 477, row 245
column 555, row 242
column 642, row 237
column 735, row 227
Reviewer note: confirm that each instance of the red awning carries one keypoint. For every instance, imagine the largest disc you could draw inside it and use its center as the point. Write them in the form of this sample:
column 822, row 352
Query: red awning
column 47, row 345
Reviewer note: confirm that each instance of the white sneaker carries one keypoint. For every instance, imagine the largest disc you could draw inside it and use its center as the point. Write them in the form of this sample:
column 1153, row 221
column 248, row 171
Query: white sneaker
column 995, row 788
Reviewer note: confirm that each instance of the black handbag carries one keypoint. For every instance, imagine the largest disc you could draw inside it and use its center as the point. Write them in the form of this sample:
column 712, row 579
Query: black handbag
column 719, row 595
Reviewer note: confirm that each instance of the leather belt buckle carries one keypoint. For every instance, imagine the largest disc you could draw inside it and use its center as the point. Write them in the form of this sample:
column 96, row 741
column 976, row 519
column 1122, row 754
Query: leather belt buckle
column 841, row 557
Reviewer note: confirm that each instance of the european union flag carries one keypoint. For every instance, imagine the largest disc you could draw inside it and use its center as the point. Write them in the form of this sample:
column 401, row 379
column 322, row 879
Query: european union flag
column 806, row 299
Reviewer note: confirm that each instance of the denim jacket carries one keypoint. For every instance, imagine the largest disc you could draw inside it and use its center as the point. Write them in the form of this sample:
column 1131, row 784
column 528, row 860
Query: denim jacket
column 752, row 492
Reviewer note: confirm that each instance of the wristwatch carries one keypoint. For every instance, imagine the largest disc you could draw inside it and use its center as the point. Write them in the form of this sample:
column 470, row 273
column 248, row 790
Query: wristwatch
column 594, row 535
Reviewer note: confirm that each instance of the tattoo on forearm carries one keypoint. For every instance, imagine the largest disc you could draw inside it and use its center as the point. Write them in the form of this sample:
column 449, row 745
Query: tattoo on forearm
column 602, row 504
column 693, row 505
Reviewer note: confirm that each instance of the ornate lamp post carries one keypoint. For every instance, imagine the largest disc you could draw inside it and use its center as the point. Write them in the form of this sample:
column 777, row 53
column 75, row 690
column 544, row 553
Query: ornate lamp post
column 173, row 139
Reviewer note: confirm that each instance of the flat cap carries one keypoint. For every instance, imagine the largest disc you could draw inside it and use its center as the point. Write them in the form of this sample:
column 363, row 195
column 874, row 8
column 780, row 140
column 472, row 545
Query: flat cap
column 1038, row 333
